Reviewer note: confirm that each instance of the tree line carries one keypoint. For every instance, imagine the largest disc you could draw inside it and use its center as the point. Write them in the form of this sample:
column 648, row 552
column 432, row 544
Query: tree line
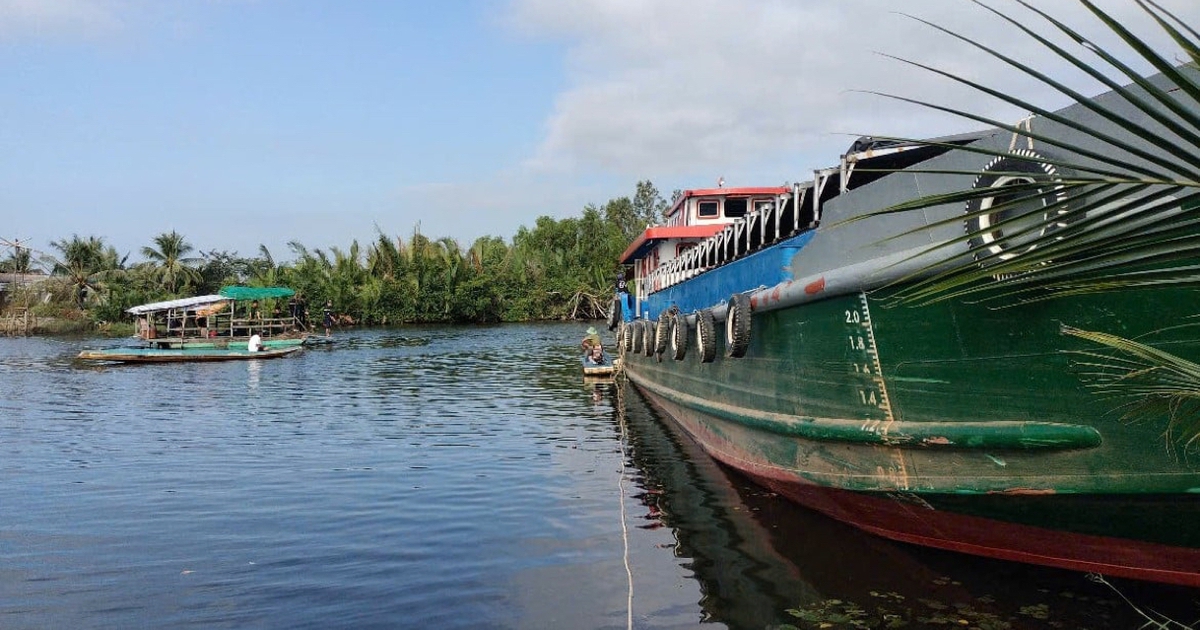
column 557, row 269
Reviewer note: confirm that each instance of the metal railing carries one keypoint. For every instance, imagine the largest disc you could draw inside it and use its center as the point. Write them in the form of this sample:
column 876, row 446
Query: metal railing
column 763, row 226
column 220, row 326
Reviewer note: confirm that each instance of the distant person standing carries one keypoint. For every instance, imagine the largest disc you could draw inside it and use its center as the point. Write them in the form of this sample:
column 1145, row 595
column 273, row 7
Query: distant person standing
column 328, row 313
column 623, row 301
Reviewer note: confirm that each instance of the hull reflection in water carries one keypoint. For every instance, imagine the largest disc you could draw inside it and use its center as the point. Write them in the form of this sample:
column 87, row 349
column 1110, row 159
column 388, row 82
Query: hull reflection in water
column 756, row 555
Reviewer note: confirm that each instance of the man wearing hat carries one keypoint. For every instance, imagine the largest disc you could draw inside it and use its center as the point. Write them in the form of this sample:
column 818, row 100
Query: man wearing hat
column 591, row 339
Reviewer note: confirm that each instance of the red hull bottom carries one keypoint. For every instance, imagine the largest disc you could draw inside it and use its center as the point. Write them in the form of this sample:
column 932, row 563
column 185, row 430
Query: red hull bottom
column 908, row 518
column 913, row 522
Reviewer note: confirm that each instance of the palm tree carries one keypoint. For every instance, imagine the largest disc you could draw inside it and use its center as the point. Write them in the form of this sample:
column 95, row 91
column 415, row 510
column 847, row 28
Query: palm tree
column 85, row 264
column 264, row 271
column 20, row 260
column 385, row 258
column 454, row 270
column 172, row 266
column 346, row 277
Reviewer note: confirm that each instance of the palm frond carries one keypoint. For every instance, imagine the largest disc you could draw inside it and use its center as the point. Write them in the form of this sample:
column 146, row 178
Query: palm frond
column 1120, row 210
column 1153, row 384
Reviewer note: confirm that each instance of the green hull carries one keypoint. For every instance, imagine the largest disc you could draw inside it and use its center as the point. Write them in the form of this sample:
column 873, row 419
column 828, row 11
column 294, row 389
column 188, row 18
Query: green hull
column 955, row 388
column 977, row 416
column 221, row 343
column 188, row 355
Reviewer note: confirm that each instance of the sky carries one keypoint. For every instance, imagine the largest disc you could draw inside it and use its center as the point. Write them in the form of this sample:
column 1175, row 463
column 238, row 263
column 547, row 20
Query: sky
column 241, row 123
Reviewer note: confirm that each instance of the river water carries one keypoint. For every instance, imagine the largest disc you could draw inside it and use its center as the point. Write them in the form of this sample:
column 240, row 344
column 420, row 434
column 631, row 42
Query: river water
column 436, row 477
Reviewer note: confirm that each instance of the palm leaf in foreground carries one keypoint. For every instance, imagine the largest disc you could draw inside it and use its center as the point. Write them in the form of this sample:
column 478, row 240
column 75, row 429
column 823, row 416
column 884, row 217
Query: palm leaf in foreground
column 1120, row 213
column 1123, row 216
column 1155, row 384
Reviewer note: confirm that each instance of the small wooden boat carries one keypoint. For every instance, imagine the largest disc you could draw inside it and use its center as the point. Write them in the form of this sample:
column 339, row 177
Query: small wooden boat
column 224, row 320
column 179, row 355
column 606, row 369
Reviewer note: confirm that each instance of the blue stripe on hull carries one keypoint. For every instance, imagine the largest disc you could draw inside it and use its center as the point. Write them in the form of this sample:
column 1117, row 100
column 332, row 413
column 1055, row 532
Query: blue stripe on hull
column 763, row 268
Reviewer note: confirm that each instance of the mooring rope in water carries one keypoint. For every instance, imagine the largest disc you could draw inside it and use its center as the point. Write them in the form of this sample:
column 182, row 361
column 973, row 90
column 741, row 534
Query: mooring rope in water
column 619, row 403
column 625, row 535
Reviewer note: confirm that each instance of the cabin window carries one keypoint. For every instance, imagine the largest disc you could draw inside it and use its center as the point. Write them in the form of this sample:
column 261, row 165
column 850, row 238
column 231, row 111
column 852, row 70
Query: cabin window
column 683, row 247
column 708, row 209
column 735, row 208
column 675, row 217
column 763, row 206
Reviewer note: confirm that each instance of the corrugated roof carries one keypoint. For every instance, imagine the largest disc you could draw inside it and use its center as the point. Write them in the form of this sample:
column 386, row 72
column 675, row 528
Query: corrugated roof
column 180, row 303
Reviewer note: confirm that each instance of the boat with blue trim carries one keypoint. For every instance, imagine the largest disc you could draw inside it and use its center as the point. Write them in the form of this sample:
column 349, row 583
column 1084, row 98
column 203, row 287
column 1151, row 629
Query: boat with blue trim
column 765, row 322
column 226, row 319
column 185, row 355
column 226, row 326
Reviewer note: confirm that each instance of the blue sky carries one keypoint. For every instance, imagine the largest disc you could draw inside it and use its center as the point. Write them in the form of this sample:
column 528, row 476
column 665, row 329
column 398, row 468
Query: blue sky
column 248, row 122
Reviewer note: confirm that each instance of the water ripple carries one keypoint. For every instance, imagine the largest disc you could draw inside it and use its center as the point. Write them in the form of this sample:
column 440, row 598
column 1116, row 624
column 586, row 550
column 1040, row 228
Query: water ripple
column 384, row 476
column 418, row 478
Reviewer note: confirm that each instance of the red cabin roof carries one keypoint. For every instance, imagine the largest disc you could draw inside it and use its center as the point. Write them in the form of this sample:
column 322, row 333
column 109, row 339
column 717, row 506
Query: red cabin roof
column 652, row 235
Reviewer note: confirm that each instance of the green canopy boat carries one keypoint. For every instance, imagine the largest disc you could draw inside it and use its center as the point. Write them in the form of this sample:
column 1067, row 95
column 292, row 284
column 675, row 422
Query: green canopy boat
column 223, row 320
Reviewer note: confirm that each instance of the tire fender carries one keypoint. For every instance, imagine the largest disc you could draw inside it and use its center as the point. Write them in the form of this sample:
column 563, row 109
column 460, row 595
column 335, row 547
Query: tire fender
column 662, row 332
column 737, row 326
column 988, row 239
column 679, row 336
column 614, row 313
column 706, row 336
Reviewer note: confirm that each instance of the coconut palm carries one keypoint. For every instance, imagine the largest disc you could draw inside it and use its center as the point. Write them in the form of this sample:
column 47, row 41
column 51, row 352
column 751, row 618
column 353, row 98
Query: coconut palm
column 454, row 269
column 1146, row 381
column 20, row 260
column 1151, row 171
column 171, row 265
column 85, row 263
column 385, row 259
column 346, row 277
column 264, row 272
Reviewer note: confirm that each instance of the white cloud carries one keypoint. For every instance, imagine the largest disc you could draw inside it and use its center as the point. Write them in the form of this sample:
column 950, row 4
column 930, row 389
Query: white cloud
column 36, row 18
column 666, row 88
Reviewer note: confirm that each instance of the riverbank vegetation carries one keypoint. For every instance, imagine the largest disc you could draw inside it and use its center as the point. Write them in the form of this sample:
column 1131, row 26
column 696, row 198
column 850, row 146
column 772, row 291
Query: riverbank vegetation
column 556, row 269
